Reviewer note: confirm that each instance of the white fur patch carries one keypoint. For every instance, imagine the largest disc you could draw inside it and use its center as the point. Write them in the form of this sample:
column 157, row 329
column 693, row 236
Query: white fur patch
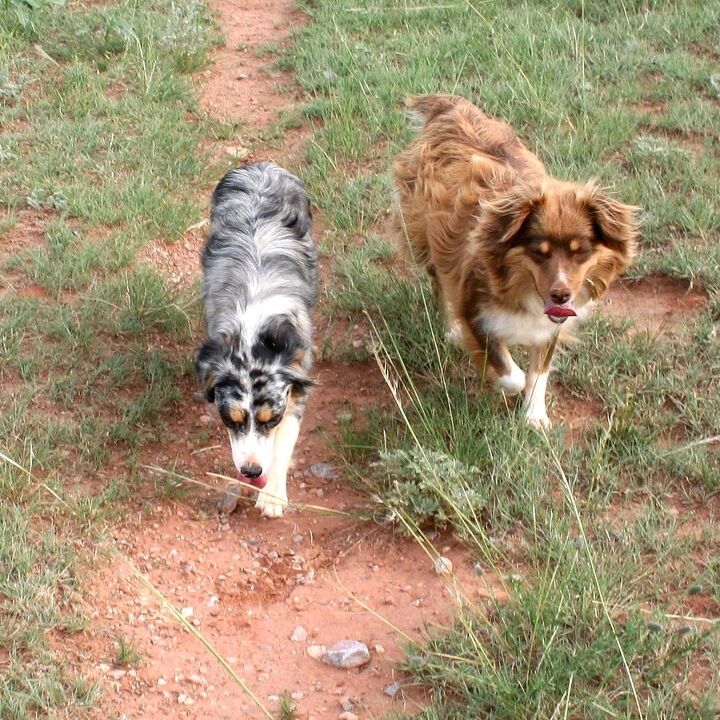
column 534, row 405
column 514, row 382
column 252, row 449
column 526, row 328
column 272, row 499
column 453, row 335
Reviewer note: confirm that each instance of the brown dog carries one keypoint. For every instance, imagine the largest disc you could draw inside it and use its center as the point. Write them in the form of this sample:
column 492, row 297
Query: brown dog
column 516, row 256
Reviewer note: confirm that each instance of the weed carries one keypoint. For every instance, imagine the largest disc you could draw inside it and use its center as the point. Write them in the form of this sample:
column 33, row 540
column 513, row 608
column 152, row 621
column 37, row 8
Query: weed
column 288, row 711
column 126, row 654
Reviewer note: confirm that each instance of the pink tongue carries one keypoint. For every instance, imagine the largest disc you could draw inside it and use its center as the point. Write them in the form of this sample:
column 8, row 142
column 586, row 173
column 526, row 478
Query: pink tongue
column 558, row 311
column 258, row 482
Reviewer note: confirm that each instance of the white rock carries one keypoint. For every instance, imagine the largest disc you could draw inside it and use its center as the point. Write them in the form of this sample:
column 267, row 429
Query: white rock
column 299, row 634
column 346, row 654
column 187, row 612
column 443, row 565
column 316, row 651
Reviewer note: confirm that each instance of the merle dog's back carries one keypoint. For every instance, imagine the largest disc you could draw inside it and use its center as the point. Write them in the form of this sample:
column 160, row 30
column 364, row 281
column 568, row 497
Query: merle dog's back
column 260, row 246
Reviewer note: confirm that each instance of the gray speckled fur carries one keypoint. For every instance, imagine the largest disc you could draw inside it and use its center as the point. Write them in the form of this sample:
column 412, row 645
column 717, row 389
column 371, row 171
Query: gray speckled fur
column 259, row 246
column 261, row 276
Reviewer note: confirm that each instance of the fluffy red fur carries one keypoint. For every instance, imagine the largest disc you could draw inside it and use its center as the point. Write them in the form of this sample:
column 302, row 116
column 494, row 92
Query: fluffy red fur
column 514, row 254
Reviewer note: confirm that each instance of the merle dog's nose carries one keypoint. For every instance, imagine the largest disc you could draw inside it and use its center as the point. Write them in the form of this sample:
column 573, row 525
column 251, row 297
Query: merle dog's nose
column 251, row 471
column 560, row 296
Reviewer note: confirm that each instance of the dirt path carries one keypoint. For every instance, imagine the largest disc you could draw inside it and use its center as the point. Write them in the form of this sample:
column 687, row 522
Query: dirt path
column 247, row 583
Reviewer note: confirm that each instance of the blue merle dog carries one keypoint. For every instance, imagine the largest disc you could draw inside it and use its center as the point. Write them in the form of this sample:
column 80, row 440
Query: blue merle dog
column 260, row 286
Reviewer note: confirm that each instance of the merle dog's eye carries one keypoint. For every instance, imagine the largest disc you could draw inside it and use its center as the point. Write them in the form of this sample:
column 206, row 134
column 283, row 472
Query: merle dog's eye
column 267, row 424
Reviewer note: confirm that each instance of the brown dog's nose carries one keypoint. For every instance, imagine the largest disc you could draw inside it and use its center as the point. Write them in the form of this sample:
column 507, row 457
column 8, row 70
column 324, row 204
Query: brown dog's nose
column 560, row 295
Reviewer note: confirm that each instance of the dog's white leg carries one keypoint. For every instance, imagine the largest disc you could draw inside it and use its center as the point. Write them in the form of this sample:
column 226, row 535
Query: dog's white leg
column 512, row 383
column 272, row 499
column 534, row 404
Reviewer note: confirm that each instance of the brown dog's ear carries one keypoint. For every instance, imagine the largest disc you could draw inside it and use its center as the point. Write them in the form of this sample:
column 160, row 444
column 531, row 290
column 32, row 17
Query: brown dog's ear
column 616, row 224
column 502, row 219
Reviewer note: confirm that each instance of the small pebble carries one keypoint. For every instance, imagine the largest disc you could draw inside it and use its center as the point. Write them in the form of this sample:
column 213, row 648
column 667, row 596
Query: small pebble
column 654, row 627
column 443, row 565
column 346, row 703
column 187, row 612
column 323, row 470
column 315, row 651
column 478, row 568
column 346, row 654
column 117, row 674
column 347, row 716
column 392, row 689
column 297, row 539
column 299, row 634
column 695, row 589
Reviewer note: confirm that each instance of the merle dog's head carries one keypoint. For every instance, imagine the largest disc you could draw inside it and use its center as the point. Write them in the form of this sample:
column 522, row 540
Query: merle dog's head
column 253, row 388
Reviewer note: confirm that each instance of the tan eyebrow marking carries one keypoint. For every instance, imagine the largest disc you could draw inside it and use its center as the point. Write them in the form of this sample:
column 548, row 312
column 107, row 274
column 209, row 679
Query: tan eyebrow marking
column 237, row 414
column 574, row 245
column 264, row 414
column 544, row 247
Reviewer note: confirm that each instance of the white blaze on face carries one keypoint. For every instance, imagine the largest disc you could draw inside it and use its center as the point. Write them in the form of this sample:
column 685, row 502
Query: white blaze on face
column 252, row 449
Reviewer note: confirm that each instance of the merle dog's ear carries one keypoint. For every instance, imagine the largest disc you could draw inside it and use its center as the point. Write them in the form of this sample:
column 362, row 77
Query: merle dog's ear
column 205, row 366
column 279, row 337
column 298, row 382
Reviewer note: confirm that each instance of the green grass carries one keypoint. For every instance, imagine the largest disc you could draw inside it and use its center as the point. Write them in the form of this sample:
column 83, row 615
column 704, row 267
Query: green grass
column 599, row 527
column 100, row 148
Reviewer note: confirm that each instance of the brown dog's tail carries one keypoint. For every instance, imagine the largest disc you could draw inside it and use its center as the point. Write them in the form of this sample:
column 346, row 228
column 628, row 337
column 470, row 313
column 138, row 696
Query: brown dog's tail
column 424, row 108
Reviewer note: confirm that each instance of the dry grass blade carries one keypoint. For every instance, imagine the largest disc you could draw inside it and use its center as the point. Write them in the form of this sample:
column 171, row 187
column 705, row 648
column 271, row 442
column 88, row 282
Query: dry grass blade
column 194, row 631
column 234, row 481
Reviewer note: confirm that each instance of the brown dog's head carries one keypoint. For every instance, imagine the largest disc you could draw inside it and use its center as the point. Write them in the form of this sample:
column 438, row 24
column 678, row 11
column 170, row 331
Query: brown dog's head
column 565, row 242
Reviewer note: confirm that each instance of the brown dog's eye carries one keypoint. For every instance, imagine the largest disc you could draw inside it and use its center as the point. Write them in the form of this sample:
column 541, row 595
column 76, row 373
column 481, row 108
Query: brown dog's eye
column 582, row 254
column 537, row 254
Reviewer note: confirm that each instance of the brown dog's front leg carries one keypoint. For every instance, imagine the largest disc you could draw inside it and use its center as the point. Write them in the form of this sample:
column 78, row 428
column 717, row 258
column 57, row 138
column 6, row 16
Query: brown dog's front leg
column 534, row 404
column 486, row 350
